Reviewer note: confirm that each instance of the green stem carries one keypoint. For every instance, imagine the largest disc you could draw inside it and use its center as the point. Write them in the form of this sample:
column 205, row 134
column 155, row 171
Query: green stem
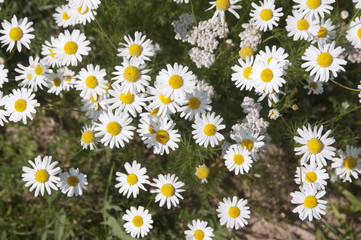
column 344, row 29
column 339, row 84
column 106, row 35
column 194, row 16
column 68, row 160
column 11, row 55
column 340, row 115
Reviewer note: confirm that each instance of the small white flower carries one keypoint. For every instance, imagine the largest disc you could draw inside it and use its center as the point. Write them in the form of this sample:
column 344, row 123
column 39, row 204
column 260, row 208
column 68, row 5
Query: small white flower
column 199, row 231
column 233, row 212
column 72, row 183
column 274, row 114
column 138, row 222
column 206, row 129
column 348, row 164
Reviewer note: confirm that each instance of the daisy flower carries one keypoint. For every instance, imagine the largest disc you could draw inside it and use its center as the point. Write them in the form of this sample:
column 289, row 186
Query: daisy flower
column 315, row 146
column 274, row 114
column 354, row 33
column 70, row 47
column 314, row 8
column 168, row 190
column 198, row 230
column 206, row 129
column 94, row 108
column 62, row 16
column 130, row 183
column 238, row 159
column 202, row 173
column 326, row 32
column 138, row 222
column 20, row 104
column 348, row 164
column 314, row 87
column 195, row 104
column 18, row 33
column 55, row 82
column 233, row 212
column 88, row 137
column 139, row 48
column 222, row 6
column 2, row 112
column 114, row 128
column 132, row 76
column 80, row 16
column 310, row 203
column 250, row 139
column 358, row 3
column 165, row 136
column 70, row 77
column 3, row 75
column 265, row 16
column 323, row 60
column 274, row 53
column 42, row 175
column 175, row 81
column 145, row 127
column 165, row 105
column 47, row 50
column 241, row 77
column 312, row 175
column 301, row 27
column 84, row 4
column 72, row 183
column 91, row 82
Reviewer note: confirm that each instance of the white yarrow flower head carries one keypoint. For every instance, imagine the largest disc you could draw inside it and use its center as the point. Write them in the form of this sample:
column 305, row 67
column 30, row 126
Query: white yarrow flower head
column 233, row 212
column 20, row 104
column 315, row 146
column 135, row 179
column 354, row 33
column 322, row 61
column 222, row 6
column 206, row 129
column 3, row 75
column 138, row 222
column 70, row 47
column 91, row 82
column 265, row 16
column 62, row 16
column 314, row 8
column 42, row 175
column 195, row 104
column 311, row 205
column 312, row 175
column 16, row 33
column 139, row 48
column 88, row 139
column 198, row 230
column 202, row 172
column 243, row 70
column 72, row 183
column 348, row 164
column 238, row 159
column 114, row 128
column 314, row 87
column 168, row 190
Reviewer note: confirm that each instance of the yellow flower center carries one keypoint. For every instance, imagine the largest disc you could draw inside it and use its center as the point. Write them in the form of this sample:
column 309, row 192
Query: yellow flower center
column 202, row 172
column 266, row 75
column 155, row 110
column 135, row 50
column 131, row 74
column 38, row 70
column 311, row 177
column 222, row 5
column 165, row 100
column 313, row 3
column 302, row 24
column 313, row 85
column 113, row 128
column 151, row 130
column 127, row 98
column 82, row 13
column 324, row 59
column 41, row 176
column 247, row 143
column 167, row 190
column 322, row 32
column 52, row 54
column 108, row 86
column 132, row 179
column 56, row 82
column 233, row 212
column 68, row 78
column 138, row 221
column 88, row 137
column 20, row 105
column 194, row 103
column 91, row 82
column 175, row 81
column 350, row 163
column 238, row 159
column 72, row 181
column 209, row 130
column 162, row 136
column 70, row 47
column 246, row 51
column 310, row 202
column 198, row 234
column 266, row 14
column 314, row 145
column 359, row 33
column 65, row 16
column 15, row 34
column 246, row 72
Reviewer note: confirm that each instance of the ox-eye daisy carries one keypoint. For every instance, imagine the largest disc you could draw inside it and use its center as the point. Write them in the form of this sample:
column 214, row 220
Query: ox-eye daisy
column 233, row 212
column 241, row 77
column 138, row 222
column 354, row 33
column 312, row 175
column 274, row 53
column 202, row 173
column 315, row 146
column 314, row 87
column 47, row 50
column 139, row 48
column 165, row 105
column 41, row 176
column 323, row 60
column 310, row 204
column 265, row 16
column 91, row 82
column 82, row 16
column 168, row 190
column 326, row 32
column 348, row 164
column 62, row 16
column 88, row 137
column 195, row 103
column 314, row 8
column 72, row 183
column 130, row 183
column 238, row 159
column 224, row 5
column 55, row 82
column 3, row 75
column 199, row 231
column 301, row 27
column 17, row 32
column 206, row 129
